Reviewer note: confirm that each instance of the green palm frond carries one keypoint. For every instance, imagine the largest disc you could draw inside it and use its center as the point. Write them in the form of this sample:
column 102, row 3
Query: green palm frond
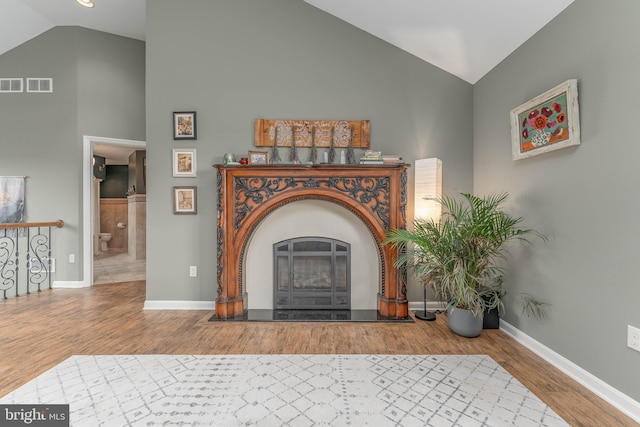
column 532, row 307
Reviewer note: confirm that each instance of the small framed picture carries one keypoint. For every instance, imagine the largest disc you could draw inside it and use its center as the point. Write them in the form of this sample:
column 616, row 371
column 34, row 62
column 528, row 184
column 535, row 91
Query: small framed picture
column 184, row 125
column 184, row 162
column 185, row 200
column 258, row 157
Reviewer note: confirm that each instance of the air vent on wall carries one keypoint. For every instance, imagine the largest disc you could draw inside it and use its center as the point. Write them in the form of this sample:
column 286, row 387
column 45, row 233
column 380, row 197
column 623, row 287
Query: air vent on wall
column 10, row 85
column 39, row 85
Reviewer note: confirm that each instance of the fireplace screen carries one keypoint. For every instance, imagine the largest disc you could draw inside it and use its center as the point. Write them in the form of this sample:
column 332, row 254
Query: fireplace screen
column 312, row 273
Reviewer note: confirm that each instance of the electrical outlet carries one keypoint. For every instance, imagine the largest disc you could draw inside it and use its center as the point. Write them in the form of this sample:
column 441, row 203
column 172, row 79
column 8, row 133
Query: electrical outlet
column 633, row 338
column 193, row 271
column 52, row 265
column 72, row 258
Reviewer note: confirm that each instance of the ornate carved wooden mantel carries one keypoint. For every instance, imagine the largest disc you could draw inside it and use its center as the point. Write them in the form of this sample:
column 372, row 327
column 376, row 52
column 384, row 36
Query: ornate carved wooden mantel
column 247, row 194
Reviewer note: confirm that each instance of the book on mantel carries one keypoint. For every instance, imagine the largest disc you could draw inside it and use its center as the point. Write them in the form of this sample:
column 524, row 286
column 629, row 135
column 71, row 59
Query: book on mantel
column 374, row 157
column 392, row 159
column 371, row 157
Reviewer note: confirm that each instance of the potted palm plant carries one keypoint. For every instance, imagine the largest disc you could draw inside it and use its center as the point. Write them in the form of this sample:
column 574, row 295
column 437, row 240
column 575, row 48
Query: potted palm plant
column 460, row 255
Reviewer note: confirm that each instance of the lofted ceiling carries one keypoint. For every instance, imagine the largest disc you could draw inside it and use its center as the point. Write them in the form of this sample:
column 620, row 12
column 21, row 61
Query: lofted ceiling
column 466, row 38
column 21, row 20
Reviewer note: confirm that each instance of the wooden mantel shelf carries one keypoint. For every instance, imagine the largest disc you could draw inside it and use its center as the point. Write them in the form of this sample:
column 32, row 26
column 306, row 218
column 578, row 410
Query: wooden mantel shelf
column 376, row 194
column 287, row 166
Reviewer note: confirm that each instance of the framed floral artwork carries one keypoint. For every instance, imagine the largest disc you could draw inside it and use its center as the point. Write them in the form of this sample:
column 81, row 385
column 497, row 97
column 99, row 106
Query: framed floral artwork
column 184, row 162
column 184, row 125
column 185, row 200
column 548, row 122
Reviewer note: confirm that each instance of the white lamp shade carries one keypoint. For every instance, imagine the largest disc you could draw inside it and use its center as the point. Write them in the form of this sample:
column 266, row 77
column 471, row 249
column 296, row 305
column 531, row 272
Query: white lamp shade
column 428, row 187
column 85, row 3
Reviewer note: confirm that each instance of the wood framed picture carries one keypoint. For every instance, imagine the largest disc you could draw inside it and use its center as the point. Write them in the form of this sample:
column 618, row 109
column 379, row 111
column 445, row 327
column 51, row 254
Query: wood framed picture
column 184, row 125
column 548, row 122
column 184, row 162
column 258, row 157
column 185, row 200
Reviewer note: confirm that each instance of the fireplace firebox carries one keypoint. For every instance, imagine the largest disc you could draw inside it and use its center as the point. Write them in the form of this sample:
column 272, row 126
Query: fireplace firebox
column 312, row 273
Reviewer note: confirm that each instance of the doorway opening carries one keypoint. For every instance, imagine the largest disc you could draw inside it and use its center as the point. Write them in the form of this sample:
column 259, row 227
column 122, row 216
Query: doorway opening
column 116, row 263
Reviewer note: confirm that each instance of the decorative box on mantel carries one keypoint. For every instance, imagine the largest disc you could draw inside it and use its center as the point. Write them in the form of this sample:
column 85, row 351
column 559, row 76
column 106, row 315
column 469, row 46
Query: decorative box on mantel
column 247, row 194
column 307, row 133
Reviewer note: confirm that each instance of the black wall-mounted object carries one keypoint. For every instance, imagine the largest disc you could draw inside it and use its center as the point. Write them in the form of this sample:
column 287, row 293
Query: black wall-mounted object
column 115, row 183
column 138, row 171
column 99, row 167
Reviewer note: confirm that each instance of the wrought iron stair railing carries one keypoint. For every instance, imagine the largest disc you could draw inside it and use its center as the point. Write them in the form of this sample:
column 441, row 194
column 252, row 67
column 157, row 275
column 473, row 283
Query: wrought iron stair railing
column 25, row 256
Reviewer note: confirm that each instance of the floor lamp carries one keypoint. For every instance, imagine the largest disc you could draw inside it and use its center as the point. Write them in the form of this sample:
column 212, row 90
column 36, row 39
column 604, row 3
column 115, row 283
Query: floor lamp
column 427, row 191
column 425, row 315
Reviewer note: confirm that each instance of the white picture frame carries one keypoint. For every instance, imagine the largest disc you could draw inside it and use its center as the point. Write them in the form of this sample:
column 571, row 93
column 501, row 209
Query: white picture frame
column 548, row 122
column 184, row 162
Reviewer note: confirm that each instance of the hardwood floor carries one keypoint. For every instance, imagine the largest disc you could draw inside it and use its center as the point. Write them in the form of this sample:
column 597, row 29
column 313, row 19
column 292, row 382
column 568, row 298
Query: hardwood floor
column 40, row 330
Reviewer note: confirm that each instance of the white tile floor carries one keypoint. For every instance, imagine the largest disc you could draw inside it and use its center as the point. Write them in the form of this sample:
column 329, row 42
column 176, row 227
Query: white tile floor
column 117, row 266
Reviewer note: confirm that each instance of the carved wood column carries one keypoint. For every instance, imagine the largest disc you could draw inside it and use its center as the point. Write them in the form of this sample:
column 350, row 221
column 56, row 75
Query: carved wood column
column 247, row 194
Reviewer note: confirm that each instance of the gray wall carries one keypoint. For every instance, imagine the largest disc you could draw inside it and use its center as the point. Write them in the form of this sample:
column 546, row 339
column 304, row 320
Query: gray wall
column 111, row 85
column 235, row 61
column 42, row 133
column 583, row 198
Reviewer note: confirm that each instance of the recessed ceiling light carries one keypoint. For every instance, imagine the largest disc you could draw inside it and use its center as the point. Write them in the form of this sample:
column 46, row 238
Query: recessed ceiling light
column 85, row 3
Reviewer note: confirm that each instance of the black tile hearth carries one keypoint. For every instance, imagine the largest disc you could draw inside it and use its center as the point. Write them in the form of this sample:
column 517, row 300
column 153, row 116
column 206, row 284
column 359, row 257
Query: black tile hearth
column 311, row 316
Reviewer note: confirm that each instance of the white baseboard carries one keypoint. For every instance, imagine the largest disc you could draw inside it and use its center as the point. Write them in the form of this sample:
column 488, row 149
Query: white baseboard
column 616, row 398
column 70, row 284
column 431, row 305
column 180, row 305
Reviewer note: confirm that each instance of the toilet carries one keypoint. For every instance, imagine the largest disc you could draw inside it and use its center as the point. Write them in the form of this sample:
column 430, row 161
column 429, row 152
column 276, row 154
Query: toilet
column 104, row 238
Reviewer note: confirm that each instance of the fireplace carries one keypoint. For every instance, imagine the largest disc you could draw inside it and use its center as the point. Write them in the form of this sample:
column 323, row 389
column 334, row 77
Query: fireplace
column 312, row 273
column 251, row 195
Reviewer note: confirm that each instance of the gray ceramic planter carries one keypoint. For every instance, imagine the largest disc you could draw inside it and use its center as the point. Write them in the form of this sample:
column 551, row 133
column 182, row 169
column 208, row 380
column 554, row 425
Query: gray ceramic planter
column 464, row 323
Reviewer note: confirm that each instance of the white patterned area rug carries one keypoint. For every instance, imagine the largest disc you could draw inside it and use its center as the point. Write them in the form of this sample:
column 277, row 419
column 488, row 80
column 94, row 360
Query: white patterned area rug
column 287, row 390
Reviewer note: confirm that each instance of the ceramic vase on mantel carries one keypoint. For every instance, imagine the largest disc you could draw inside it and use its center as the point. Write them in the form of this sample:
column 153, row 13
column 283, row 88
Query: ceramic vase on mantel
column 463, row 322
